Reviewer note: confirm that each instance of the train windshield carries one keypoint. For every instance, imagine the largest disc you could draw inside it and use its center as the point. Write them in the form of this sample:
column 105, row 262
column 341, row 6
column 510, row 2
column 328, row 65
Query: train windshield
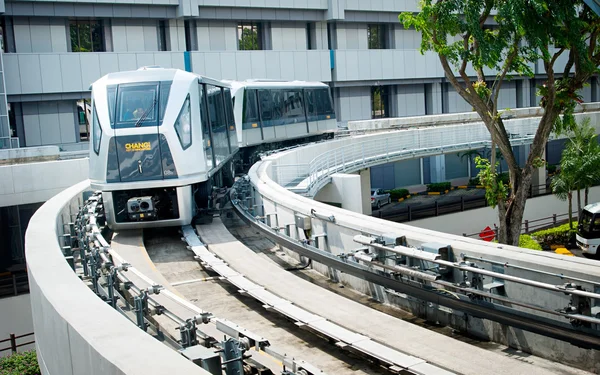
column 589, row 225
column 140, row 104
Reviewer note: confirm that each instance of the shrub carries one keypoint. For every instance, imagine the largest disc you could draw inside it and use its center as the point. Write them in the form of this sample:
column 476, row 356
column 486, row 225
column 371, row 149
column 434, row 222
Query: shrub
column 557, row 235
column 551, row 168
column 20, row 364
column 504, row 178
column 529, row 243
column 439, row 187
column 474, row 181
column 396, row 194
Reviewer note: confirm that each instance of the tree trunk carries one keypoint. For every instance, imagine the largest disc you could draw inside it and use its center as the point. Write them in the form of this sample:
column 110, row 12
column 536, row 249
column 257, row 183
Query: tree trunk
column 511, row 214
column 587, row 193
column 570, row 199
column 578, row 203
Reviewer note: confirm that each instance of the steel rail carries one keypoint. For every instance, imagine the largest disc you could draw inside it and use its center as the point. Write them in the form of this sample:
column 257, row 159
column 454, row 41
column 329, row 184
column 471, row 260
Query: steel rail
column 414, row 253
column 479, row 309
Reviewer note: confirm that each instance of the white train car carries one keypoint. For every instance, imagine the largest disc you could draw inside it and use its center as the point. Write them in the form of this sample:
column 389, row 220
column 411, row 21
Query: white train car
column 161, row 139
column 275, row 114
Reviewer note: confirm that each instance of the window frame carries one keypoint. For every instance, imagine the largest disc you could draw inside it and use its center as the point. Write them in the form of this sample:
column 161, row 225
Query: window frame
column 181, row 111
column 96, row 134
column 92, row 24
column 382, row 41
column 253, row 26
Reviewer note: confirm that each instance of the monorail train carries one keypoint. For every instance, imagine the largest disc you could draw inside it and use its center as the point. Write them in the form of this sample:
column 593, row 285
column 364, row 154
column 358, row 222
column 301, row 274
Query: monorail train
column 161, row 138
column 275, row 114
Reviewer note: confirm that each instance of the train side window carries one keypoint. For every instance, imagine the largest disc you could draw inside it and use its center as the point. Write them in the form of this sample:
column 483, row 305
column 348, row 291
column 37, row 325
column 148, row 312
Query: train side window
column 250, row 111
column 183, row 125
column 165, row 90
column 323, row 101
column 112, row 102
column 292, row 107
column 266, row 107
column 204, row 123
column 311, row 107
column 96, row 130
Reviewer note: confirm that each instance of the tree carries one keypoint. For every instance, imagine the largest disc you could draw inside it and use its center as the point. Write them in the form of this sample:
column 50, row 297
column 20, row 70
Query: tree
column 470, row 155
column 562, row 186
column 580, row 160
column 524, row 32
column 248, row 39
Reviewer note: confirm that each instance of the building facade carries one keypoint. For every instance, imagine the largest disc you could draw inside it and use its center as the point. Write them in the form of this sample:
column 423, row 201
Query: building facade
column 53, row 50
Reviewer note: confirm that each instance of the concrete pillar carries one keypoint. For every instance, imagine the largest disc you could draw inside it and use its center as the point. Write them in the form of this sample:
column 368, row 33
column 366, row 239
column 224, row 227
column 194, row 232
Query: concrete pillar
column 538, row 179
column 437, row 168
column 344, row 190
column 433, row 98
column 365, row 190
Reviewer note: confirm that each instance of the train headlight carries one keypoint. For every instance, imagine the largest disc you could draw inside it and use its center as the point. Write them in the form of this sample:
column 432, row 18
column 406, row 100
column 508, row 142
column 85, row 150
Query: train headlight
column 183, row 125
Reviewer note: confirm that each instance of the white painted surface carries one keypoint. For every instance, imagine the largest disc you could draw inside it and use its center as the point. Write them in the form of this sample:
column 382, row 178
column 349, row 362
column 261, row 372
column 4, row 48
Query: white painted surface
column 15, row 313
column 76, row 332
column 474, row 221
column 38, row 182
column 343, row 189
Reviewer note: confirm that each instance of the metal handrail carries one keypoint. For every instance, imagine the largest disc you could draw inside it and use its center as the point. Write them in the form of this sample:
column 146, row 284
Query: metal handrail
column 393, row 146
column 13, row 342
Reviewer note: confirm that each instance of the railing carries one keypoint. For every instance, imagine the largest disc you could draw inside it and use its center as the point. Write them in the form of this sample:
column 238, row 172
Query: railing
column 530, row 226
column 14, row 283
column 422, row 211
column 408, row 144
column 13, row 342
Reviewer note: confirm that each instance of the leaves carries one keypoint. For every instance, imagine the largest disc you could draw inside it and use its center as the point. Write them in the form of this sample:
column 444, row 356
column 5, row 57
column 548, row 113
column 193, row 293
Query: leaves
column 20, row 364
column 495, row 188
column 482, row 42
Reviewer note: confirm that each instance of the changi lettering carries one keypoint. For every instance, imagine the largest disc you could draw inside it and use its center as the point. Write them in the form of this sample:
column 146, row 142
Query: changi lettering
column 138, row 146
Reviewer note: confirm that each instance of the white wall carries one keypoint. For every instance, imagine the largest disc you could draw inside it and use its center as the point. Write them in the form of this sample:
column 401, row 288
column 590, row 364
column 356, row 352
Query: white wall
column 407, row 38
column 49, row 123
column 176, row 35
column 474, row 221
column 354, row 103
column 288, row 36
column 38, row 182
column 134, row 35
column 16, row 318
column 352, row 36
column 216, row 35
column 40, row 34
column 343, row 189
column 410, row 100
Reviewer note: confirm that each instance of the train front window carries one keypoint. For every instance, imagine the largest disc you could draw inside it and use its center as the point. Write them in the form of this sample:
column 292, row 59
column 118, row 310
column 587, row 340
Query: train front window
column 585, row 222
column 137, row 102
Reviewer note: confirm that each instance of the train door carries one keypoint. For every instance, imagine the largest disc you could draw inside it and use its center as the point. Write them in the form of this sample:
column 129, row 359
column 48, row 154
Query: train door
column 137, row 141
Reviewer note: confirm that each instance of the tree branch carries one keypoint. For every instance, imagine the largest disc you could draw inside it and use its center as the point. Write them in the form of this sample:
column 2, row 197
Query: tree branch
column 507, row 64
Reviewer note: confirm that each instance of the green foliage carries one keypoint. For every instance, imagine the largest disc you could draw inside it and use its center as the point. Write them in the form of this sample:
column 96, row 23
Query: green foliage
column 439, row 187
column 562, row 234
column 20, row 364
column 529, row 243
column 581, row 156
column 551, row 168
column 248, row 39
column 398, row 193
column 474, row 181
column 495, row 188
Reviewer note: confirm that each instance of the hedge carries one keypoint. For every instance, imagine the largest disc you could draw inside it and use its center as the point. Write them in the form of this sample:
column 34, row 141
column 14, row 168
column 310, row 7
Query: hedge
column 396, row 194
column 439, row 187
column 20, row 364
column 529, row 243
column 551, row 168
column 474, row 181
column 555, row 236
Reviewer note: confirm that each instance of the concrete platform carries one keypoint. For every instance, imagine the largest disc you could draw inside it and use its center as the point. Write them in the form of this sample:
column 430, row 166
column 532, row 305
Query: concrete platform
column 410, row 339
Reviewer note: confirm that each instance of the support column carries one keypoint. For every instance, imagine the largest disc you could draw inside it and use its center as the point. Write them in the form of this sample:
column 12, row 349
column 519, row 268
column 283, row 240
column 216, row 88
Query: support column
column 344, row 190
column 437, row 168
column 365, row 190
column 538, row 179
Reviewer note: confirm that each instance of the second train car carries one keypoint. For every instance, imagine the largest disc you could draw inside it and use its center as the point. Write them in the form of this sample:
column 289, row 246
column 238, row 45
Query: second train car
column 161, row 139
column 270, row 115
